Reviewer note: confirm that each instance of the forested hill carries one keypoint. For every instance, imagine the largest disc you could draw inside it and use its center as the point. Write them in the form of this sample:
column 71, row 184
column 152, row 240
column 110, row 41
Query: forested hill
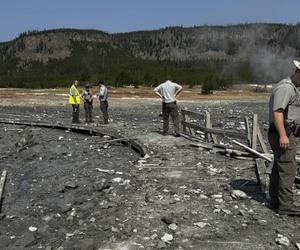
column 217, row 55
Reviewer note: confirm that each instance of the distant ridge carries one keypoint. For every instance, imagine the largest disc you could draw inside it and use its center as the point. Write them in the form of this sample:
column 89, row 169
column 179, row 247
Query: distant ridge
column 260, row 52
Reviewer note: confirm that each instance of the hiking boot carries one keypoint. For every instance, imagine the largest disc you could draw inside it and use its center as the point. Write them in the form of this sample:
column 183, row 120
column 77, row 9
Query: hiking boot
column 273, row 205
column 177, row 135
column 293, row 211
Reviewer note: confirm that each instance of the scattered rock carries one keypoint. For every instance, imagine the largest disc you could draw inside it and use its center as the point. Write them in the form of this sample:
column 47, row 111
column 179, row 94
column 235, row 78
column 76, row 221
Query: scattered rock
column 219, row 200
column 226, row 211
column 161, row 245
column 203, row 197
column 238, row 194
column 101, row 185
column 2, row 216
column 168, row 219
column 64, row 208
column 173, row 226
column 86, row 244
column 201, row 224
column 107, row 171
column 167, row 238
column 262, row 222
column 148, row 198
column 87, row 206
column 282, row 240
column 32, row 229
column 71, row 185
column 242, row 212
column 153, row 236
column 213, row 171
column 26, row 241
column 117, row 180
column 217, row 210
column 217, row 196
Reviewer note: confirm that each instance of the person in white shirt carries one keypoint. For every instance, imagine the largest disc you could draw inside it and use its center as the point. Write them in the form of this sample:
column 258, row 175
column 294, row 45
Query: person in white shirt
column 168, row 91
column 103, row 97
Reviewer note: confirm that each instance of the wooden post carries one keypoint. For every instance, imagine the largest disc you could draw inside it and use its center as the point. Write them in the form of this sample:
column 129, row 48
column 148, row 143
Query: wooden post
column 187, row 117
column 254, row 132
column 184, row 120
column 261, row 175
column 207, row 121
column 210, row 136
column 248, row 131
column 261, row 140
column 2, row 183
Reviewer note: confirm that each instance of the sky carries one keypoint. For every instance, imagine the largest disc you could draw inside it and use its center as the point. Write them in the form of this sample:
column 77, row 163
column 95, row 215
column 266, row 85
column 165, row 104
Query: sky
column 114, row 16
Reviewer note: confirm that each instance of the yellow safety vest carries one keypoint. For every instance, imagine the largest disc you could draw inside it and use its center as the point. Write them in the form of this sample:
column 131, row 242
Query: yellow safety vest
column 74, row 99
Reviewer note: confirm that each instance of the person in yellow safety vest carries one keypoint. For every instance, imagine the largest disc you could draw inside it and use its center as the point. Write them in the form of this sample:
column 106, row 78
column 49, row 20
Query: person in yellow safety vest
column 74, row 100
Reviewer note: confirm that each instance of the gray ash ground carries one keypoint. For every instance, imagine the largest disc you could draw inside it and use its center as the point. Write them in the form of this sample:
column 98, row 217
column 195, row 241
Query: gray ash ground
column 180, row 197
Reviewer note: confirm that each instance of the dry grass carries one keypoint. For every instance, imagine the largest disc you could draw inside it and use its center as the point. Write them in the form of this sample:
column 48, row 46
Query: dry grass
column 21, row 97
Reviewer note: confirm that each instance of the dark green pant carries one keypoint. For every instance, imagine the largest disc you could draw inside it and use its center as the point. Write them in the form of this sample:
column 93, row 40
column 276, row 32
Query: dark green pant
column 104, row 108
column 75, row 118
column 170, row 109
column 283, row 172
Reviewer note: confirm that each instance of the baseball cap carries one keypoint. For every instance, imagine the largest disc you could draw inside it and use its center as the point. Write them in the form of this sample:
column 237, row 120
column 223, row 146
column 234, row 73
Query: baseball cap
column 297, row 64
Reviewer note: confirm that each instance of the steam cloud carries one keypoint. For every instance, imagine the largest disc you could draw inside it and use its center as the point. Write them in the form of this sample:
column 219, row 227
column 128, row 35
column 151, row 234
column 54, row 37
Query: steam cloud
column 271, row 66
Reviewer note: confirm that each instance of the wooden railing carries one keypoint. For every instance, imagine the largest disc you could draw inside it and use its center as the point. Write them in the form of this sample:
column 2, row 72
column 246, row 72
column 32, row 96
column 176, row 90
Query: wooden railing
column 194, row 123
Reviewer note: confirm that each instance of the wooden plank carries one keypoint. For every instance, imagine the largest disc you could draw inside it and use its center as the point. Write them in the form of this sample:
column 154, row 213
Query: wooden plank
column 191, row 113
column 79, row 129
column 261, row 140
column 191, row 137
column 2, row 184
column 254, row 132
column 225, row 150
column 113, row 140
column 248, row 131
column 261, row 175
column 252, row 151
column 177, row 168
column 232, row 133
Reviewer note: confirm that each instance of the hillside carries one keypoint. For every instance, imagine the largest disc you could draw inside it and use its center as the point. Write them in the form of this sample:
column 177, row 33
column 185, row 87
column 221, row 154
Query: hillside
column 217, row 55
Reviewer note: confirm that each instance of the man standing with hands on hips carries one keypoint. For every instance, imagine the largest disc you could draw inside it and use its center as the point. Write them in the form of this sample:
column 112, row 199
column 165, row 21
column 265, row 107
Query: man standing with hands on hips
column 168, row 91
column 284, row 117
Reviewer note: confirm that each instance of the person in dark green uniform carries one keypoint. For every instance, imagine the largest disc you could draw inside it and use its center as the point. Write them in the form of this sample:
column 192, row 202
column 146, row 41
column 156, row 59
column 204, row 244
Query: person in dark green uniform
column 284, row 117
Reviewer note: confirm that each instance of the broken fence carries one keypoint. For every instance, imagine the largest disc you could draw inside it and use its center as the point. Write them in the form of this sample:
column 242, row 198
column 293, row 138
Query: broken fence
column 195, row 124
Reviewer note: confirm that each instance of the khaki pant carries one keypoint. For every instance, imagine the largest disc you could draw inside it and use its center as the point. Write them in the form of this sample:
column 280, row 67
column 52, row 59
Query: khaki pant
column 167, row 110
column 283, row 172
column 88, row 107
column 104, row 108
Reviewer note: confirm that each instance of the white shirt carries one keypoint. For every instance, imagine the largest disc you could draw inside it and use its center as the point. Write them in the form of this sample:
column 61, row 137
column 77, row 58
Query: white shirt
column 103, row 93
column 167, row 90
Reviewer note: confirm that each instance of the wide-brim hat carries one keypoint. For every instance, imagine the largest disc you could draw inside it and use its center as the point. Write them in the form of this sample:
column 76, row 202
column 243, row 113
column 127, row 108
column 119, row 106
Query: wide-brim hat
column 297, row 64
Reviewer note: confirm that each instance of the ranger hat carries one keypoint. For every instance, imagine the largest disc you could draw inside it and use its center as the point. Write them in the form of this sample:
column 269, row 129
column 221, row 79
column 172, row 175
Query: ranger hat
column 297, row 64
